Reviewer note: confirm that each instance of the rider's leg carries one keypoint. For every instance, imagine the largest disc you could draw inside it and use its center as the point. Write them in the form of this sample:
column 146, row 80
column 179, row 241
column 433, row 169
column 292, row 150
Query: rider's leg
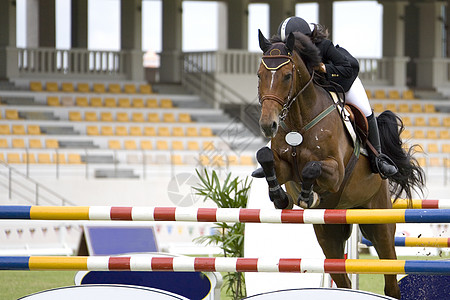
column 357, row 96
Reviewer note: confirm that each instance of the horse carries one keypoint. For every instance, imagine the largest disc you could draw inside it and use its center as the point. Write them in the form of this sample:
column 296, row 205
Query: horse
column 312, row 154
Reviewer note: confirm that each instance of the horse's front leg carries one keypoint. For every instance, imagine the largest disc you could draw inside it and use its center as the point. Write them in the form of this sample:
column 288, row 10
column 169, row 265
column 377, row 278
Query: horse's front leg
column 277, row 195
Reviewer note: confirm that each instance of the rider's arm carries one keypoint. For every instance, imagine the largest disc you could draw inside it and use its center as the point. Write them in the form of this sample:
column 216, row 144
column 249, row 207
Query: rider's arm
column 336, row 64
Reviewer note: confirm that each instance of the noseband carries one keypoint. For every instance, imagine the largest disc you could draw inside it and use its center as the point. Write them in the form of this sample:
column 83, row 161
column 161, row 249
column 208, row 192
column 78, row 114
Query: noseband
column 286, row 105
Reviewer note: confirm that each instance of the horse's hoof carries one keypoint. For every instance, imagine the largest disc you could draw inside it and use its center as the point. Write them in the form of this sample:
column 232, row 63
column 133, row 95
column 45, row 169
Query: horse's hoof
column 258, row 173
column 283, row 202
column 311, row 202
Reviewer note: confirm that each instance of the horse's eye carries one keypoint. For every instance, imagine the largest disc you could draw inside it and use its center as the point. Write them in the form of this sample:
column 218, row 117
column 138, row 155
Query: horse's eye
column 259, row 75
column 287, row 77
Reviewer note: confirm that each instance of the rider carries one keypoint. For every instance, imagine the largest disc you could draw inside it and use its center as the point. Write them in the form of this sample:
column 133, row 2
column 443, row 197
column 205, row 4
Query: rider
column 340, row 67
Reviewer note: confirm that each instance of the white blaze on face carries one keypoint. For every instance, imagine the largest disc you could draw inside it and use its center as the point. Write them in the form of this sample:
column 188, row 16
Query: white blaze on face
column 271, row 82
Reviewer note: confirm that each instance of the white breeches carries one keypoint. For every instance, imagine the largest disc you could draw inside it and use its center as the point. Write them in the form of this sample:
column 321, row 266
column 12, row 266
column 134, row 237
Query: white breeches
column 356, row 95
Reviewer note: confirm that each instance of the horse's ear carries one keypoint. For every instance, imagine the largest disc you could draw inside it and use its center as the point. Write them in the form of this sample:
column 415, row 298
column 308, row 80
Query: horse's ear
column 264, row 44
column 290, row 42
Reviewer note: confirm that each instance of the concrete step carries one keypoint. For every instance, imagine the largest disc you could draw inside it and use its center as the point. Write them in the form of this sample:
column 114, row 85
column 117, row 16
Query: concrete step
column 54, row 130
column 38, row 115
column 122, row 173
column 77, row 145
column 97, row 159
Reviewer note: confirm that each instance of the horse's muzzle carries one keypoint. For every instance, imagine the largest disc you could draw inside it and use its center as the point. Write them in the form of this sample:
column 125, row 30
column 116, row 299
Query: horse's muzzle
column 269, row 129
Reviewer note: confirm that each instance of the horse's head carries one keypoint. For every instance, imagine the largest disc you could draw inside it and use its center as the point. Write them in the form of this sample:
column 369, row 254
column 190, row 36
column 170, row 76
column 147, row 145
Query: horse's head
column 282, row 76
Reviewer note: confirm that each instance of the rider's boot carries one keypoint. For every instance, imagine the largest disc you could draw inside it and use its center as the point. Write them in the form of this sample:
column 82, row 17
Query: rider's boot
column 380, row 163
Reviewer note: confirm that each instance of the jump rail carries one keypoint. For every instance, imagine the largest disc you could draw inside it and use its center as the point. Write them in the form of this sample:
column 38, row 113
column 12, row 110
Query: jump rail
column 222, row 264
column 402, row 241
column 243, row 215
column 422, row 204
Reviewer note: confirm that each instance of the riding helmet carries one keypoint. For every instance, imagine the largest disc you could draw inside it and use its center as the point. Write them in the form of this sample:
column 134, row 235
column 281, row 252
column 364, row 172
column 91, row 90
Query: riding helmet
column 293, row 24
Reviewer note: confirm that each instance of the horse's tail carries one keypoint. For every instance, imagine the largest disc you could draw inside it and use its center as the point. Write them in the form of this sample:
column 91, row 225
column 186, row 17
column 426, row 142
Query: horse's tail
column 410, row 176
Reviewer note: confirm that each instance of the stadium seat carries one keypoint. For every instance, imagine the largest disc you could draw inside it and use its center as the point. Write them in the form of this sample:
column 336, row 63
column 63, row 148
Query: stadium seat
column 444, row 134
column 203, row 160
column 432, row 134
column 146, row 145
column 163, row 131
column 122, row 117
column 416, row 108
column 176, row 159
column 90, row 116
column 35, row 86
column 153, row 117
column 4, row 129
column 44, row 158
column 394, row 94
column 151, row 103
column 51, row 144
column 81, row 101
column 217, row 161
column 446, row 122
column 391, row 106
column 11, row 114
column 59, row 158
column 378, row 107
column 420, row 121
column 193, row 146
column 114, row 144
column 246, row 160
column 106, row 116
column 121, row 131
column 446, row 148
column 130, row 145
column 18, row 143
column 137, row 102
column 92, row 130
column 162, row 145
column 114, row 88
column 403, row 108
column 18, row 129
column 33, row 130
column 96, row 102
column 149, row 131
column 83, row 87
column 137, row 117
column 29, row 158
column 206, row 131
column 177, row 145
column 166, row 103
column 2, row 156
column 98, row 88
column 434, row 121
column 106, row 130
column 74, row 158
column 177, row 131
column 67, row 87
column 429, row 108
column 53, row 101
column 75, row 116
column 13, row 158
column 369, row 94
column 169, row 118
column 124, row 102
column 184, row 118
column 419, row 134
column 145, row 89
column 208, row 146
column 379, row 94
column 433, row 148
column 135, row 131
column 191, row 131
column 110, row 102
column 51, row 87
column 435, row 162
column 129, row 88
column 407, row 121
column 232, row 160
column 408, row 95
column 67, row 101
column 4, row 143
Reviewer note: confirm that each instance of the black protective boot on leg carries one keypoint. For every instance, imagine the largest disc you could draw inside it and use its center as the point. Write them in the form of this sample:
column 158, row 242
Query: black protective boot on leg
column 380, row 163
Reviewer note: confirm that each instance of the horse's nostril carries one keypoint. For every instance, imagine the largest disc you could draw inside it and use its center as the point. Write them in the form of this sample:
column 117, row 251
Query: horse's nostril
column 274, row 126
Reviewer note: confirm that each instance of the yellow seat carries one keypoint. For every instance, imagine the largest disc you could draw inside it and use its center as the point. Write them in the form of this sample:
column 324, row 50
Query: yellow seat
column 13, row 158
column 121, row 131
column 51, row 144
column 106, row 130
column 169, row 118
column 178, row 131
column 92, row 130
column 83, row 87
column 162, row 145
column 403, row 107
column 191, row 131
column 130, row 145
column 433, row 148
column 106, row 116
column 391, row 106
column 149, row 131
column 407, row 121
column 74, row 158
column 145, row 89
column 177, row 145
column 416, row 108
column 18, row 129
column 90, row 116
column 432, row 134
column 379, row 94
column 146, row 145
column 422, row 161
column 166, row 103
column 137, row 102
column 434, row 121
column 206, row 131
column 203, row 160
column 28, row 158
column 114, row 144
column 217, row 161
column 232, row 160
column 67, row 87
column 184, row 118
column 129, row 88
column 114, row 88
column 4, row 129
column 110, row 102
column 446, row 122
column 176, row 159
column 59, row 158
column 135, row 131
column 429, row 108
column 435, row 162
column 163, row 131
column 208, row 146
column 419, row 134
column 420, row 121
column 153, row 117
column 51, row 87
column 33, row 130
column 124, row 102
column 378, row 107
column 44, row 158
column 137, row 117
column 369, row 94
column 151, row 103
column 394, row 94
column 444, row 134
column 98, row 88
column 12, row 114
column 408, row 95
column 67, row 101
column 3, row 143
column 446, row 148
column 122, row 117
column 96, row 102
column 35, row 86
column 246, row 160
column 193, row 146
column 53, row 101
column 81, row 101
column 2, row 156
column 75, row 116
column 18, row 143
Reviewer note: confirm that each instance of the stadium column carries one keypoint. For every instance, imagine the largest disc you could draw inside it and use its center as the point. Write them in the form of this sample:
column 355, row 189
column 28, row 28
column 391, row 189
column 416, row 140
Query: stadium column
column 79, row 24
column 170, row 69
column 8, row 50
column 238, row 24
column 47, row 24
column 280, row 10
column 131, row 37
column 394, row 41
column 326, row 15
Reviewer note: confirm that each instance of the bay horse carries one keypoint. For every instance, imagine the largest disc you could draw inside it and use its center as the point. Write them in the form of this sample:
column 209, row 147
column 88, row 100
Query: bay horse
column 312, row 154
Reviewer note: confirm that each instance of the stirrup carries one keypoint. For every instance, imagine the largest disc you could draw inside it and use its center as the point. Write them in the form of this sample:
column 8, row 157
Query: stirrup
column 385, row 166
